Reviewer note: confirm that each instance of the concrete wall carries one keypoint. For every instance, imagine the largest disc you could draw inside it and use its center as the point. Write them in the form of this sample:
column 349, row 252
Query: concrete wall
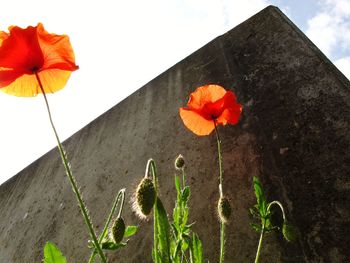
column 294, row 135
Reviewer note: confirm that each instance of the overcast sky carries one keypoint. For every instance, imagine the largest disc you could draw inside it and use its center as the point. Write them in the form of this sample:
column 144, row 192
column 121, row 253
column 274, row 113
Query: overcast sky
column 121, row 45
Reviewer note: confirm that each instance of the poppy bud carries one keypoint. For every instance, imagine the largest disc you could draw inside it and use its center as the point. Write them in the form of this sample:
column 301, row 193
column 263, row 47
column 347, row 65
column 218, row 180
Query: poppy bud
column 145, row 197
column 224, row 209
column 118, row 230
column 179, row 162
column 289, row 231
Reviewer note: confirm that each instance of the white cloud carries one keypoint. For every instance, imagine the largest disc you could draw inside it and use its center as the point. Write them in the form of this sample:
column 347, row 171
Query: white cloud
column 330, row 28
column 341, row 7
column 343, row 65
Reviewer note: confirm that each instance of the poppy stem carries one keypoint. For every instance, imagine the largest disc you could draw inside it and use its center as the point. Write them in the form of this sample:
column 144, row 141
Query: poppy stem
column 72, row 180
column 222, row 224
column 121, row 194
column 221, row 172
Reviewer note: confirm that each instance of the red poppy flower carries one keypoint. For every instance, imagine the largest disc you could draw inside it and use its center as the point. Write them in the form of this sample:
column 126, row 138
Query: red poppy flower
column 30, row 51
column 209, row 104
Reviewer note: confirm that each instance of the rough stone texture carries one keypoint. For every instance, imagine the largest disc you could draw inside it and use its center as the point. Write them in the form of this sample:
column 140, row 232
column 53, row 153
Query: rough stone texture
column 294, row 135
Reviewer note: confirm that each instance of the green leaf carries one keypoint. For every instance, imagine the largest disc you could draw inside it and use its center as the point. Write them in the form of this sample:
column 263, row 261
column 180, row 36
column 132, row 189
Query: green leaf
column 177, row 251
column 52, row 254
column 177, row 185
column 163, row 232
column 130, row 231
column 185, row 194
column 176, row 215
column 256, row 227
column 110, row 245
column 260, row 197
column 197, row 250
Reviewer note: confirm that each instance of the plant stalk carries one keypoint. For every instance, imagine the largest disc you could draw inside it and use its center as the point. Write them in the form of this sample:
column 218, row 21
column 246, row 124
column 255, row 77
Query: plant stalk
column 222, row 224
column 121, row 194
column 71, row 178
column 260, row 243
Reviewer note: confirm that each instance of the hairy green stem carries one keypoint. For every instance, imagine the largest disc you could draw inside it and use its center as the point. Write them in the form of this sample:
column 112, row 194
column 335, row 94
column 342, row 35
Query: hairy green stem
column 72, row 181
column 121, row 194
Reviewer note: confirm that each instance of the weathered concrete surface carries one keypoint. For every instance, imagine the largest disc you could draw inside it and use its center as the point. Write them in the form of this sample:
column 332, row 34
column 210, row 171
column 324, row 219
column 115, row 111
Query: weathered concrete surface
column 294, row 135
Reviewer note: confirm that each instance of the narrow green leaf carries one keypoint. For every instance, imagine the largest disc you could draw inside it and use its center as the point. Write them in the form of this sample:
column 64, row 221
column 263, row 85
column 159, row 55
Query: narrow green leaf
column 130, row 231
column 177, row 185
column 197, row 250
column 110, row 245
column 185, row 194
column 163, row 230
column 260, row 197
column 52, row 254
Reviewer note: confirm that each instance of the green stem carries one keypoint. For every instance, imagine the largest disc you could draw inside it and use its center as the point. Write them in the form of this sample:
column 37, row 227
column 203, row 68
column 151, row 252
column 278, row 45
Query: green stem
column 72, row 181
column 121, row 194
column 222, row 224
column 280, row 206
column 221, row 172
column 222, row 241
column 260, row 243
column 263, row 226
column 183, row 177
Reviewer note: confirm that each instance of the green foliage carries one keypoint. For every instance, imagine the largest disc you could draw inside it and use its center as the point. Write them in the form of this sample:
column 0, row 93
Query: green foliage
column 161, row 251
column 130, row 231
column 196, row 249
column 174, row 242
column 52, row 254
column 182, row 240
column 260, row 210
column 111, row 245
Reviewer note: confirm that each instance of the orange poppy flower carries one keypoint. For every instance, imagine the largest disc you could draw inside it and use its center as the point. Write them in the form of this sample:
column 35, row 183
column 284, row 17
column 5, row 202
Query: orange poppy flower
column 209, row 104
column 25, row 53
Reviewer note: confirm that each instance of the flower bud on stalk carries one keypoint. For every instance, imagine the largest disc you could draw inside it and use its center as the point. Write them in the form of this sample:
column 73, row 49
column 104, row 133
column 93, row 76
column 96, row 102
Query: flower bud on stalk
column 144, row 198
column 224, row 209
column 289, row 231
column 118, row 230
column 179, row 162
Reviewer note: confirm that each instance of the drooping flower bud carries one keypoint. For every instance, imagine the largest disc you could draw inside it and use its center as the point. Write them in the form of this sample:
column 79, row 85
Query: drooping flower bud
column 224, row 209
column 145, row 197
column 179, row 162
column 118, row 230
column 289, row 231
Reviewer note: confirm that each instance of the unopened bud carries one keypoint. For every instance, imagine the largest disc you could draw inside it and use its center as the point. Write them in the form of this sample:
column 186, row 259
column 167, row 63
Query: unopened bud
column 145, row 197
column 118, row 230
column 289, row 231
column 224, row 209
column 179, row 162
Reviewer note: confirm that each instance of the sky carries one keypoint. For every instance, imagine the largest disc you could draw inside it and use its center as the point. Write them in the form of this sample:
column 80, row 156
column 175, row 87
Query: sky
column 121, row 45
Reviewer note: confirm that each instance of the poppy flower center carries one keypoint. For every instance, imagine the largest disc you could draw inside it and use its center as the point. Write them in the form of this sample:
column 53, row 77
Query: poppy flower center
column 34, row 69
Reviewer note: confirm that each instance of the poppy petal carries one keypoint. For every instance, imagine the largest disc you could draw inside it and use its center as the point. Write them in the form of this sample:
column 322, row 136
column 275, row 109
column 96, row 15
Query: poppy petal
column 27, row 85
column 196, row 123
column 230, row 115
column 205, row 94
column 3, row 36
column 20, row 51
column 56, row 49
